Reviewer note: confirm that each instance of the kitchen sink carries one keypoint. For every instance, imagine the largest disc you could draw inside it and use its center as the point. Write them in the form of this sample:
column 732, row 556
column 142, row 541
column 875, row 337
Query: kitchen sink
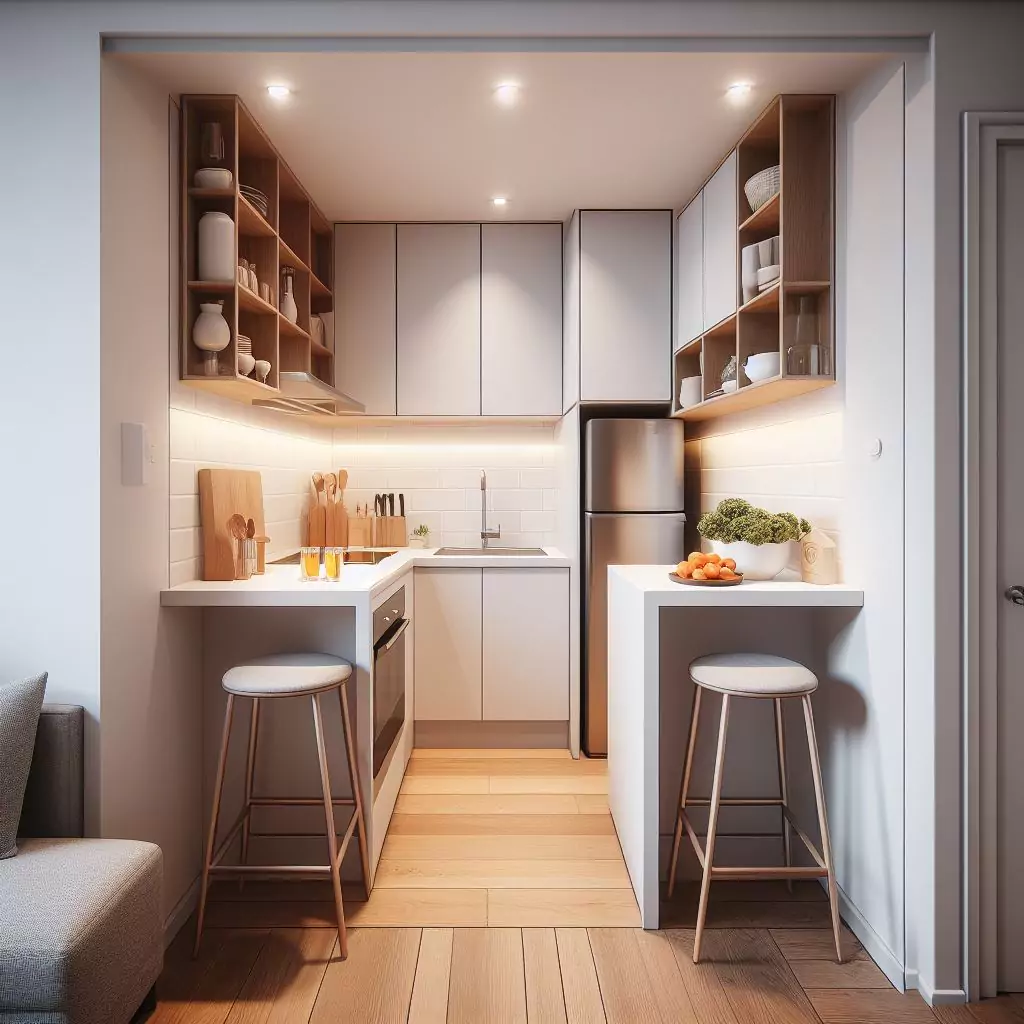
column 477, row 552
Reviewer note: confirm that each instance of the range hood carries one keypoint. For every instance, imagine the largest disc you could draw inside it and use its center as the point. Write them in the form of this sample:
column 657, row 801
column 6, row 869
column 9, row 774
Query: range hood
column 303, row 394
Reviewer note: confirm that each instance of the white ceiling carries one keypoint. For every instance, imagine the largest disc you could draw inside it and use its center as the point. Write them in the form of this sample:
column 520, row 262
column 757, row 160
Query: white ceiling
column 405, row 136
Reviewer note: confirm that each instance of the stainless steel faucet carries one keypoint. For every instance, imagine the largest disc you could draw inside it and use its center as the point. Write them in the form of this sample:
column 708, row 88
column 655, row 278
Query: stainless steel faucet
column 485, row 534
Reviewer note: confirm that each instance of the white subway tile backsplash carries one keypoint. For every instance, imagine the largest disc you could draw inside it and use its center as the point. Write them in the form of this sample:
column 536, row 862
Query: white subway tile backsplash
column 184, row 544
column 184, row 511
column 551, row 500
column 539, row 522
column 435, row 501
column 519, row 500
column 537, row 478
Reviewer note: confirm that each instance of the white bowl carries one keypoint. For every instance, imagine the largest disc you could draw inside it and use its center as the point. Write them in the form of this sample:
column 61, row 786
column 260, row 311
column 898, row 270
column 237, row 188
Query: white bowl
column 729, row 386
column 262, row 369
column 245, row 363
column 767, row 276
column 213, row 177
column 762, row 365
column 689, row 391
column 754, row 561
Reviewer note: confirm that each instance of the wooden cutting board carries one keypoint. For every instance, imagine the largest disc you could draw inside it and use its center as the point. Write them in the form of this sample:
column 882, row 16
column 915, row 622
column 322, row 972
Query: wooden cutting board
column 222, row 493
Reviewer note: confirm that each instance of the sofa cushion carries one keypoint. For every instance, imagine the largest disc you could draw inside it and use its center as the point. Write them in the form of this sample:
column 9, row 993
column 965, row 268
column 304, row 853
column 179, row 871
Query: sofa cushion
column 81, row 928
column 20, row 704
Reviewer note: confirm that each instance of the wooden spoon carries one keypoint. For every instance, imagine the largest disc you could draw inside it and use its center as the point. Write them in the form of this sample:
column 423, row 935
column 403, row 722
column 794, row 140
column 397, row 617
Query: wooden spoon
column 237, row 526
column 318, row 515
column 250, row 529
column 330, row 486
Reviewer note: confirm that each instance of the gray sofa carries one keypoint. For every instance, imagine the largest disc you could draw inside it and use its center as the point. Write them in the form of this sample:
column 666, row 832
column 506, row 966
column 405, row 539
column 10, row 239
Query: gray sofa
column 81, row 925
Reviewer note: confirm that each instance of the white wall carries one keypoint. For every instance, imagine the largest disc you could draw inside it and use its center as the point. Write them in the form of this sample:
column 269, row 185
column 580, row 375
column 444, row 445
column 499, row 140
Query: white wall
column 438, row 469
column 150, row 711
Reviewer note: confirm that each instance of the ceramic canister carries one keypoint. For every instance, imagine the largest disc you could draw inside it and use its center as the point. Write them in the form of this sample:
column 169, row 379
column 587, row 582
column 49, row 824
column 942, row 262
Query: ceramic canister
column 216, row 247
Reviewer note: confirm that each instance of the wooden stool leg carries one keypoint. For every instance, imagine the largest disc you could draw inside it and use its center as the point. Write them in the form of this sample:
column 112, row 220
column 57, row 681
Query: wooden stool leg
column 250, row 771
column 211, row 839
column 709, row 845
column 826, row 843
column 780, row 743
column 332, row 838
column 357, row 790
column 684, row 789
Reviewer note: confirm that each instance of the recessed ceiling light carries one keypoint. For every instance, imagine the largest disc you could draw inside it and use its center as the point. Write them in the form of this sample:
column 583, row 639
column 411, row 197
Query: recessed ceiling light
column 739, row 92
column 499, row 200
column 506, row 94
column 278, row 92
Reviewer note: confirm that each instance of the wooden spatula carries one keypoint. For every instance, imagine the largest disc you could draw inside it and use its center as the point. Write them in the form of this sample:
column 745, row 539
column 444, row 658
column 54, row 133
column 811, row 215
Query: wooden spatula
column 330, row 488
column 317, row 515
column 340, row 512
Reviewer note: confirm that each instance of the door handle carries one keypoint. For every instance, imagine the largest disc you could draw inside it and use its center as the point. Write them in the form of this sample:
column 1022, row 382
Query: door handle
column 1015, row 594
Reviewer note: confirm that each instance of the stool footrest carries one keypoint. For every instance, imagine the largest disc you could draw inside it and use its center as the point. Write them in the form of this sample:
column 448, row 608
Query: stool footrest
column 299, row 801
column 271, row 869
column 736, row 801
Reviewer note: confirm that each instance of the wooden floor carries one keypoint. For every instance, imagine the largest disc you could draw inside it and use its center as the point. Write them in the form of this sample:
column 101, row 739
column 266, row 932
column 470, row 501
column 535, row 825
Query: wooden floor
column 501, row 896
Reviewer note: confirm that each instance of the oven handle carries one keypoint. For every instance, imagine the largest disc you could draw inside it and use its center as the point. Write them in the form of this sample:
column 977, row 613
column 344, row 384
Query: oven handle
column 394, row 639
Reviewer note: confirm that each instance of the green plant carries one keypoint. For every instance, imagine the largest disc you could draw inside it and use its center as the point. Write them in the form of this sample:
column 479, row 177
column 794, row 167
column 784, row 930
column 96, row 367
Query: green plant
column 736, row 520
column 421, row 531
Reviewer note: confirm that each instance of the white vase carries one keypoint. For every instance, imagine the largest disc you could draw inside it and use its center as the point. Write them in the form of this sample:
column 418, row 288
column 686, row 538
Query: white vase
column 216, row 245
column 211, row 334
column 288, row 307
column 750, row 264
column 754, row 561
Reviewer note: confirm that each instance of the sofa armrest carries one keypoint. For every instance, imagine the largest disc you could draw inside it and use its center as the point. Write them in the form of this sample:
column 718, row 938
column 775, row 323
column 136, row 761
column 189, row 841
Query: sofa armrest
column 54, row 798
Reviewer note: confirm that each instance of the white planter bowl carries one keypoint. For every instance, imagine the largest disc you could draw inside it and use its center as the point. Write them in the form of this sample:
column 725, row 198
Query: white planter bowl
column 754, row 561
column 689, row 391
column 762, row 366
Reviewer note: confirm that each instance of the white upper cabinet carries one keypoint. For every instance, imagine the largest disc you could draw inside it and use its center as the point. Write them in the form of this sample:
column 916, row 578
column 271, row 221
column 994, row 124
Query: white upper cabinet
column 625, row 305
column 720, row 244
column 438, row 277
column 571, row 314
column 521, row 320
column 364, row 320
column 690, row 273
column 525, row 645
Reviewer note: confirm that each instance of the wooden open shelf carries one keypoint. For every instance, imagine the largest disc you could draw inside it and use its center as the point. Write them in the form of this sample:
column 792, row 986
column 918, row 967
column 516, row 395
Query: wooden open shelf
column 294, row 233
column 798, row 133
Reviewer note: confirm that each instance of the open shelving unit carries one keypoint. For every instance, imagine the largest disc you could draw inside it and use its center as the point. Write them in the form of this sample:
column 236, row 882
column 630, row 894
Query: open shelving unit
column 798, row 133
column 294, row 233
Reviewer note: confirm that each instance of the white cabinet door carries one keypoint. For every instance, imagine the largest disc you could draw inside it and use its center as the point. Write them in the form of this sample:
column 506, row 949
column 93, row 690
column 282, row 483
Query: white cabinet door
column 721, row 278
column 448, row 639
column 690, row 272
column 438, row 319
column 526, row 645
column 521, row 320
column 571, row 314
column 364, row 319
column 625, row 305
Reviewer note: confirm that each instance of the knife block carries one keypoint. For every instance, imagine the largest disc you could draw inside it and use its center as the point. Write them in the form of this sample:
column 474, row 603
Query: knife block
column 389, row 532
column 360, row 535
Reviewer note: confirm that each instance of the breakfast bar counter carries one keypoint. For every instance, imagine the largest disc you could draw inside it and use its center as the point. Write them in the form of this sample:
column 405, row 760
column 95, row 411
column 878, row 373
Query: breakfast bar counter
column 637, row 596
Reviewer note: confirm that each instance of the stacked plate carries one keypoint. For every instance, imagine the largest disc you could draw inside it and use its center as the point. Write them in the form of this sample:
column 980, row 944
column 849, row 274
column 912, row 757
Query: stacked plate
column 243, row 345
column 257, row 198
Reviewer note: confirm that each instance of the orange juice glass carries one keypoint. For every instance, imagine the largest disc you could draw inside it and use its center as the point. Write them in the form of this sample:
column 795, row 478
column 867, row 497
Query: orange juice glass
column 310, row 561
column 333, row 560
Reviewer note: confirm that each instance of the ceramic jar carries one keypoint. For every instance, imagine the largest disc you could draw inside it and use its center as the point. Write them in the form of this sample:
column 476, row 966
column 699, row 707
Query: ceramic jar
column 216, row 247
column 288, row 307
column 211, row 334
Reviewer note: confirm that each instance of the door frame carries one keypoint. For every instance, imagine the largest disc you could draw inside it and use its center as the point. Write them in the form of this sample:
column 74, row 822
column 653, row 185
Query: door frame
column 983, row 133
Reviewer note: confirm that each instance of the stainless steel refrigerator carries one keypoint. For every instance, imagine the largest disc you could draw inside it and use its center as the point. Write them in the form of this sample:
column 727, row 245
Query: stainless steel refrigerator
column 633, row 515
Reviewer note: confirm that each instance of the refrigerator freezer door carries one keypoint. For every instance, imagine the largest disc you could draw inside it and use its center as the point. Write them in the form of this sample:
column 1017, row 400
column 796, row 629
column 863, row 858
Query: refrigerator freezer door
column 634, row 466
column 616, row 539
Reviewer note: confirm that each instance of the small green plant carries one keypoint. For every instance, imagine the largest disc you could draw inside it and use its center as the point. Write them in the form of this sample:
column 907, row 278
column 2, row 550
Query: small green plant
column 736, row 520
column 421, row 531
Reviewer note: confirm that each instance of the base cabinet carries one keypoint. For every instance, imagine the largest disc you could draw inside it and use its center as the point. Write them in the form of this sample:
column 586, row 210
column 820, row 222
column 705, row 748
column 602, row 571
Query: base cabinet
column 492, row 645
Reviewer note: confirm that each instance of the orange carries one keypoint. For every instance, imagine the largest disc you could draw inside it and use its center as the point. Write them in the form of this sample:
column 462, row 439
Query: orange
column 715, row 558
column 712, row 571
column 684, row 569
column 698, row 574
column 727, row 573
column 697, row 559
column 729, row 563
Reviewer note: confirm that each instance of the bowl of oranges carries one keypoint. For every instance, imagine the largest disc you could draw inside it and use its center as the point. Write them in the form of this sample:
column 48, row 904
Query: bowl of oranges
column 704, row 570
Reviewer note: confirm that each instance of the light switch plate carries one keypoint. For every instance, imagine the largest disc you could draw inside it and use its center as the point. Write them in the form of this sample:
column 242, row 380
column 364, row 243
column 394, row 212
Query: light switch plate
column 135, row 455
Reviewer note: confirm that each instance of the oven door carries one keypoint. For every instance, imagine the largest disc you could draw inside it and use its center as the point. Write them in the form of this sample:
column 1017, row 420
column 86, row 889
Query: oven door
column 388, row 693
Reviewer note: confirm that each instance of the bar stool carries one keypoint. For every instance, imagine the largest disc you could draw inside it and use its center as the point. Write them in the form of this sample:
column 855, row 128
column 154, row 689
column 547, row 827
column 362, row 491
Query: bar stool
column 761, row 677
column 278, row 676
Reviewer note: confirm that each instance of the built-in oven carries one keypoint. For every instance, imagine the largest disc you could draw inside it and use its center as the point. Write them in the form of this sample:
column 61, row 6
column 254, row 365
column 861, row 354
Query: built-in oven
column 389, row 626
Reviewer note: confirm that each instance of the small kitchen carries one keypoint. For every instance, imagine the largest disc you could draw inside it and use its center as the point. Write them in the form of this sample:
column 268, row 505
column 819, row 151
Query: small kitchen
column 455, row 423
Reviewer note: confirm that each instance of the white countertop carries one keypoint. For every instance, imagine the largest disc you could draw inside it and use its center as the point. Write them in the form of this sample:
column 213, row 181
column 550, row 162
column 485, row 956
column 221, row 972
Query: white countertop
column 282, row 585
column 653, row 581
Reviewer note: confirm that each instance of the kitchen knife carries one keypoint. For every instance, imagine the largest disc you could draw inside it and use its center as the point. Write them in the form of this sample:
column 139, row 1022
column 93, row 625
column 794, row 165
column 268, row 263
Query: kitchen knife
column 378, row 504
column 401, row 505
column 391, row 504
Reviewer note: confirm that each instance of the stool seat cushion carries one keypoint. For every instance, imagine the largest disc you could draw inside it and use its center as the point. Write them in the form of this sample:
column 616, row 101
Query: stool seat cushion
column 286, row 675
column 753, row 675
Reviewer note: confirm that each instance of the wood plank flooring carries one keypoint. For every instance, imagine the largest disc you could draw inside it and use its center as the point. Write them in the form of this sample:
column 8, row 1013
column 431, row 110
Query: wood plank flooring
column 501, row 898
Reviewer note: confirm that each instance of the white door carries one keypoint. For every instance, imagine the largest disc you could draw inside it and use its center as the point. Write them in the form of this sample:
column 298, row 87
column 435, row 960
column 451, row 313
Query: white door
column 690, row 272
column 521, row 320
column 364, row 318
column 438, row 319
column 625, row 305
column 448, row 639
column 1010, row 568
column 526, row 645
column 721, row 278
